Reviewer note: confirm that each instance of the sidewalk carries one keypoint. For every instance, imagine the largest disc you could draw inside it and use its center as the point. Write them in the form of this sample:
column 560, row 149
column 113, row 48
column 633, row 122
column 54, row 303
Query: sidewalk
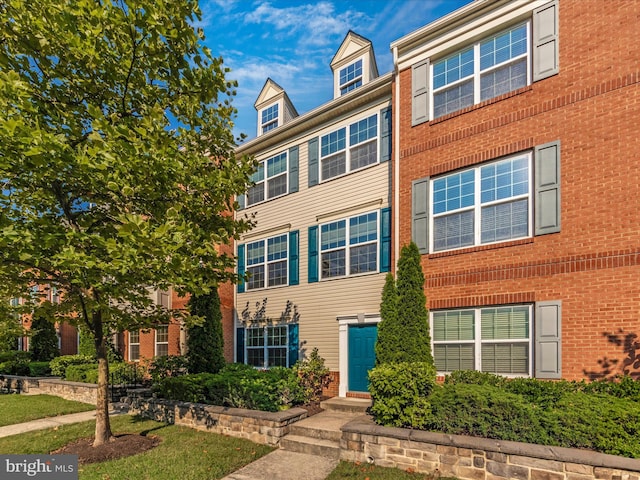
column 49, row 422
column 284, row 465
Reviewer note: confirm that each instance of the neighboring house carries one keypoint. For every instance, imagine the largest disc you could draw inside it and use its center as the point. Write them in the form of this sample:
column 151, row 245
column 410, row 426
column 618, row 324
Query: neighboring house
column 321, row 244
column 516, row 173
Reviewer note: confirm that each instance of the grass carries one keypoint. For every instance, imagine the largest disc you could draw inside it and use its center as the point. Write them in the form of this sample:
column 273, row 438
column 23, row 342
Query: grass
column 23, row 408
column 184, row 453
column 359, row 471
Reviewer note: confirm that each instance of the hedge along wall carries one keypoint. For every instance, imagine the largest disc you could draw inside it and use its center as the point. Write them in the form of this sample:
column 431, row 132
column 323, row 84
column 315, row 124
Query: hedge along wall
column 472, row 458
column 260, row 427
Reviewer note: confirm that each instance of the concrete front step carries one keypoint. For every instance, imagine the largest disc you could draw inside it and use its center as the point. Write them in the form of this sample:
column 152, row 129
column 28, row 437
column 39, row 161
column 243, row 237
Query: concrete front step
column 347, row 405
column 313, row 446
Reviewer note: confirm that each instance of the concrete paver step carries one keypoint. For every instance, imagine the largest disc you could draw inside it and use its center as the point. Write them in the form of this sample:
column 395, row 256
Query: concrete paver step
column 347, row 405
column 312, row 446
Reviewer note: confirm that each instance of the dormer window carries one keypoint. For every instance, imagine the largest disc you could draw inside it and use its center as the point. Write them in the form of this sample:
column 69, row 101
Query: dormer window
column 269, row 118
column 351, row 77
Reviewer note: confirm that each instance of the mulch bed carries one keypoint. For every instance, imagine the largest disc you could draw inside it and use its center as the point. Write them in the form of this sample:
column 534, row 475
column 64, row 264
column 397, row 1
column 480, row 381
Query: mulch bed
column 122, row 446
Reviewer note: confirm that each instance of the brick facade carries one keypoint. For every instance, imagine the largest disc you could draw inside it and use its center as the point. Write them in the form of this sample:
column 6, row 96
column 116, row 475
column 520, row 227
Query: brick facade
column 593, row 264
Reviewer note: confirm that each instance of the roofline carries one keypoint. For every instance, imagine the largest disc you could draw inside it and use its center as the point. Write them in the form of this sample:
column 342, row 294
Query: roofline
column 316, row 117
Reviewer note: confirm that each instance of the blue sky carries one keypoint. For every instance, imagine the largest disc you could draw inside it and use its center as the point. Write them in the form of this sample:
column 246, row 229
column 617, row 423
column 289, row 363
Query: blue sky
column 293, row 42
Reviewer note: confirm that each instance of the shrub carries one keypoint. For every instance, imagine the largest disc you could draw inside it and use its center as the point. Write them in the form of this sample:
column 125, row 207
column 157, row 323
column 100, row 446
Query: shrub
column 313, row 377
column 85, row 373
column 474, row 377
column 121, row 373
column 400, row 391
column 205, row 342
column 59, row 364
column 541, row 393
column 484, row 411
column 167, row 366
column 19, row 365
column 44, row 342
column 39, row 369
column 622, row 386
column 14, row 355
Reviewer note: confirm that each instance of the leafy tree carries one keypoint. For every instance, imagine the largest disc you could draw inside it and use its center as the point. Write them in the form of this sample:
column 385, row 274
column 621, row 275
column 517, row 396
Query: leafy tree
column 403, row 333
column 44, row 341
column 117, row 163
column 204, row 342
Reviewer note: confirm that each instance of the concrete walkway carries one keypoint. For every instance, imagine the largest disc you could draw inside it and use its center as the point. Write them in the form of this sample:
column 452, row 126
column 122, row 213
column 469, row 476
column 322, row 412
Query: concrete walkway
column 50, row 422
column 283, row 465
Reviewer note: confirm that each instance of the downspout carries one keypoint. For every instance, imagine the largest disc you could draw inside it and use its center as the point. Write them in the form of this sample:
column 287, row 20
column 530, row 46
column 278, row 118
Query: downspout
column 396, row 163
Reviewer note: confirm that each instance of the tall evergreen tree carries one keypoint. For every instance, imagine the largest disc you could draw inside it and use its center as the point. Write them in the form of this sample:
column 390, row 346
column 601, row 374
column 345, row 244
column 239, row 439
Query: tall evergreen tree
column 44, row 342
column 205, row 343
column 389, row 344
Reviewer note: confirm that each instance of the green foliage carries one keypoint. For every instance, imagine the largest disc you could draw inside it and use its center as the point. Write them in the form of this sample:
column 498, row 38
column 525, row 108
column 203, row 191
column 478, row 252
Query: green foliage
column 167, row 366
column 119, row 373
column 39, row 369
column 474, row 377
column 14, row 355
column 59, row 364
column 44, row 342
column 236, row 386
column 18, row 365
column 620, row 386
column 313, row 376
column 204, row 342
column 400, row 391
column 84, row 373
column 403, row 333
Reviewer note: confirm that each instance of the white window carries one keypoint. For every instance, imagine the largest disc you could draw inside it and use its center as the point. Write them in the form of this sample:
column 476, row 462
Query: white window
column 134, row 346
column 491, row 339
column 485, row 204
column 162, row 341
column 269, row 118
column 351, row 77
column 270, row 180
column 349, row 246
column 267, row 262
column 267, row 346
column 349, row 148
column 486, row 69
column 55, row 294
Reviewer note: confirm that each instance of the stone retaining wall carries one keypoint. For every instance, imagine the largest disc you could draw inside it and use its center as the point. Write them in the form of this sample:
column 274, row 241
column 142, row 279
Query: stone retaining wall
column 80, row 392
column 471, row 458
column 260, row 427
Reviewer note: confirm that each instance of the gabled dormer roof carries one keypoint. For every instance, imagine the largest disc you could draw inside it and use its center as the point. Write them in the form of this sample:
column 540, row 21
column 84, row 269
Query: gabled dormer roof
column 273, row 94
column 354, row 48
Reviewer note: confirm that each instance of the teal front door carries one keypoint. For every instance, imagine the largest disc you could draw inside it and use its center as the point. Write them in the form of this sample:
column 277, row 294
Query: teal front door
column 362, row 355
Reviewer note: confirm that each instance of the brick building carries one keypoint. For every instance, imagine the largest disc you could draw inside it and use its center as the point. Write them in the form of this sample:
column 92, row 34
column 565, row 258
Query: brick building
column 516, row 173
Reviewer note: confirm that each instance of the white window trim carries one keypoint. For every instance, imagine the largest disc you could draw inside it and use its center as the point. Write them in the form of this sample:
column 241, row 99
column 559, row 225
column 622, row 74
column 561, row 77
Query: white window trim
column 477, row 73
column 343, row 342
column 349, row 83
column 265, row 180
column 348, row 148
column 156, row 342
column 269, row 123
column 266, row 346
column 477, row 205
column 478, row 342
column 348, row 247
column 266, row 263
column 131, row 359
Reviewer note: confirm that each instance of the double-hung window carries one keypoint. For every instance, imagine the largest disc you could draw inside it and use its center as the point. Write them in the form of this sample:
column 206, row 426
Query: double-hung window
column 134, row 345
column 481, row 205
column 267, row 346
column 351, row 77
column 162, row 340
column 486, row 69
column 269, row 180
column 349, row 246
column 267, row 262
column 269, row 118
column 349, row 148
column 492, row 339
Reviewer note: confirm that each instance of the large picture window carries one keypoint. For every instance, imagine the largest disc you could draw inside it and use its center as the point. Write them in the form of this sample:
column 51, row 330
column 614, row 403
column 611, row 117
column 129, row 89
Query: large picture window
column 269, row 180
column 267, row 262
column 349, row 148
column 485, row 204
column 492, row 339
column 493, row 66
column 267, row 346
column 349, row 246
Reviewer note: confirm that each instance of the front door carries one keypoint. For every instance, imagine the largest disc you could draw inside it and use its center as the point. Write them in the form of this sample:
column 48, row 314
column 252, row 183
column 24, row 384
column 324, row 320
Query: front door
column 362, row 355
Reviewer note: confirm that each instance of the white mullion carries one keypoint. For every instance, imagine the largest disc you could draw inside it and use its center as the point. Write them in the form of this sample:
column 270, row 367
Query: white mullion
column 477, row 206
column 476, row 73
column 477, row 331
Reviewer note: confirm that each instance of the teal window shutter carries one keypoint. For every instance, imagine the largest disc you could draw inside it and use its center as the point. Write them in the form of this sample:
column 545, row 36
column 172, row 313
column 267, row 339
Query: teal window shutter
column 385, row 239
column 420, row 214
column 294, row 343
column 241, row 268
column 545, row 41
column 293, row 169
column 547, row 188
column 420, row 92
column 313, row 254
column 385, row 134
column 240, row 345
column 241, row 201
column 548, row 335
column 314, row 172
column 294, row 262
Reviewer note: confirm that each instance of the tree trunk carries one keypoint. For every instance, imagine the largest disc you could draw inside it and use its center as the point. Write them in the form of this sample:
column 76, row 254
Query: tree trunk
column 103, row 425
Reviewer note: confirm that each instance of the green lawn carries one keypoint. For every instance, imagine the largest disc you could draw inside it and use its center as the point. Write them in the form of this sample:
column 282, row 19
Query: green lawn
column 23, row 408
column 184, row 453
column 357, row 471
